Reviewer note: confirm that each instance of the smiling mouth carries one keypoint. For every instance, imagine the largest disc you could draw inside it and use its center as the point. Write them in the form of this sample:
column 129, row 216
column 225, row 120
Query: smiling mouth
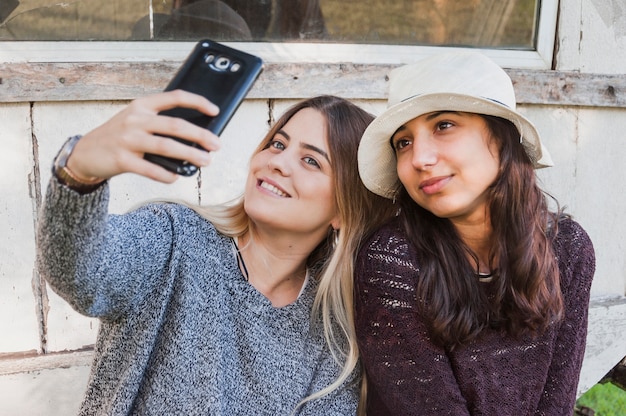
column 273, row 189
column 434, row 185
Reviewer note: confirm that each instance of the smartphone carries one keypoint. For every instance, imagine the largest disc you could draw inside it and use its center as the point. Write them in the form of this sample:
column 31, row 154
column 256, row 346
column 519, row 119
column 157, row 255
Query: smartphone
column 223, row 75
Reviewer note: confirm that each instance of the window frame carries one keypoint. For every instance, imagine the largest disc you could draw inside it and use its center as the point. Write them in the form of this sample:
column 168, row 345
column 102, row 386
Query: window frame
column 156, row 51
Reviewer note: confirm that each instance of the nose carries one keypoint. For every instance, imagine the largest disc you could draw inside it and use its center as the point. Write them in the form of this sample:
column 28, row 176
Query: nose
column 280, row 162
column 424, row 150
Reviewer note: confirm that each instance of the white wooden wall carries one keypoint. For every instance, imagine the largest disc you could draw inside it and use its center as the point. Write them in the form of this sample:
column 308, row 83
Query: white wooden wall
column 44, row 345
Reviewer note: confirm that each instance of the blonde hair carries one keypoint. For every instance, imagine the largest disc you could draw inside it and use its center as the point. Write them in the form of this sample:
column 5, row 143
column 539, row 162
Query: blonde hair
column 360, row 211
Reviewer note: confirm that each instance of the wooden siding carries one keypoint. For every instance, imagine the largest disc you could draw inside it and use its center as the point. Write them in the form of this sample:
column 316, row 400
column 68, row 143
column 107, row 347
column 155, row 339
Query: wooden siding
column 32, row 82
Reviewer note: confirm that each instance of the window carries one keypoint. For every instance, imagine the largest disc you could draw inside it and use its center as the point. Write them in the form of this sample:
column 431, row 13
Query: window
column 367, row 31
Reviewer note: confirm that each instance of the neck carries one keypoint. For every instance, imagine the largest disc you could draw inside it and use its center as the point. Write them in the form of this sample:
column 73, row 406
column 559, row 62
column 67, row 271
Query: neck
column 477, row 237
column 276, row 267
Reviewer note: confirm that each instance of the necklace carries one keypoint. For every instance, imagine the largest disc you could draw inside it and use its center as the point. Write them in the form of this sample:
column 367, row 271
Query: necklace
column 244, row 269
column 485, row 277
column 240, row 262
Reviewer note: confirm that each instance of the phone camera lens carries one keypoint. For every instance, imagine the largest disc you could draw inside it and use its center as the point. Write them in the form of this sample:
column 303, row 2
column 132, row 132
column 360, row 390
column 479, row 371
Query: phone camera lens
column 208, row 58
column 235, row 67
column 222, row 63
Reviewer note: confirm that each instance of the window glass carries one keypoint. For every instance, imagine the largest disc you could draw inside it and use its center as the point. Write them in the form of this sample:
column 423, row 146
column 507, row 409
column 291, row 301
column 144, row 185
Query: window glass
column 509, row 24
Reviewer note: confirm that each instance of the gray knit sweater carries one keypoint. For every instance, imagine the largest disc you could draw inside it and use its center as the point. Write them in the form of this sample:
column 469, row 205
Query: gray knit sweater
column 181, row 331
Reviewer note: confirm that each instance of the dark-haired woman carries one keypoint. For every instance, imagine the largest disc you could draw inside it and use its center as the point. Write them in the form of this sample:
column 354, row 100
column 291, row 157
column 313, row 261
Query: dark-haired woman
column 474, row 300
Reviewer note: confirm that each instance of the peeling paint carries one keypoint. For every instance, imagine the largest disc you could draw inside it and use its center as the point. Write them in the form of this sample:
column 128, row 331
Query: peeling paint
column 39, row 287
column 270, row 112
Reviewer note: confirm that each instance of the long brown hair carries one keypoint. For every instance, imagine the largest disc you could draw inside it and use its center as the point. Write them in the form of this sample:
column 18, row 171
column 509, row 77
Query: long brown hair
column 360, row 211
column 527, row 296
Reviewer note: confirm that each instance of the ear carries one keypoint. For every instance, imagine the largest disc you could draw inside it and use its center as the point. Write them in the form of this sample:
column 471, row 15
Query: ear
column 336, row 223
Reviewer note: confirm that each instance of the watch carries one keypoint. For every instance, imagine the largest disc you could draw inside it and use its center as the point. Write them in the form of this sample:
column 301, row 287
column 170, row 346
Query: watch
column 65, row 176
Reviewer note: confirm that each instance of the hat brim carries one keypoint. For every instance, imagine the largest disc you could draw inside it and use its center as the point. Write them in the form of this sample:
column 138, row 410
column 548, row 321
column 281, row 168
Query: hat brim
column 376, row 158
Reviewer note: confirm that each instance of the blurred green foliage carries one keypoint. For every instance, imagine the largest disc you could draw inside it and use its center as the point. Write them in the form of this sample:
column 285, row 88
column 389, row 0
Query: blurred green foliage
column 605, row 399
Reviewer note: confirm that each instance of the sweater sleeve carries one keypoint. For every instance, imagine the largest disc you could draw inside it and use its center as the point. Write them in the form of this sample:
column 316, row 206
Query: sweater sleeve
column 406, row 373
column 101, row 264
column 576, row 257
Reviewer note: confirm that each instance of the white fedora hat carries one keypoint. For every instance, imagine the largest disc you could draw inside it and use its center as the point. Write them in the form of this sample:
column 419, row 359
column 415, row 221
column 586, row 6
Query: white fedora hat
column 463, row 81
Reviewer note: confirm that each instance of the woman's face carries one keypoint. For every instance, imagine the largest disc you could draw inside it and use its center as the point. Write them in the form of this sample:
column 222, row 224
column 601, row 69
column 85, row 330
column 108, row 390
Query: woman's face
column 446, row 161
column 290, row 183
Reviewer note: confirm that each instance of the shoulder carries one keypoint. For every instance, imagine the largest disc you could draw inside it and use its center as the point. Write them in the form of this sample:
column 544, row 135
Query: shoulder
column 572, row 240
column 186, row 227
column 172, row 209
column 390, row 237
column 388, row 249
column 181, row 216
column 575, row 253
column 572, row 231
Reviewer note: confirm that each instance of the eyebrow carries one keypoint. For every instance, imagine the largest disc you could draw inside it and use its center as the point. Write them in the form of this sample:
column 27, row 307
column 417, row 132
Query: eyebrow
column 306, row 145
column 438, row 113
column 402, row 127
column 429, row 117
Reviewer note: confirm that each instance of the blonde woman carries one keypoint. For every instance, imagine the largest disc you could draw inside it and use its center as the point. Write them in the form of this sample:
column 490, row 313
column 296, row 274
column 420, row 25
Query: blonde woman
column 240, row 309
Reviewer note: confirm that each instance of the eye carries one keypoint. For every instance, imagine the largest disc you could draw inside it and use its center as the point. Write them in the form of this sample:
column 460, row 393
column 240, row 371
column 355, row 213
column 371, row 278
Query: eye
column 311, row 162
column 443, row 125
column 401, row 143
column 275, row 144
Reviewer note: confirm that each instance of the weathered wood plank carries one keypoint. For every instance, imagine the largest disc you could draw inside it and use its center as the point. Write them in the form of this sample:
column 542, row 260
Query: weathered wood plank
column 569, row 88
column 22, row 363
column 21, row 82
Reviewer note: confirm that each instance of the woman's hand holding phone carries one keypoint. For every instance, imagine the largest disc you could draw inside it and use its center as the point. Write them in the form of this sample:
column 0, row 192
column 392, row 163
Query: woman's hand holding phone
column 118, row 146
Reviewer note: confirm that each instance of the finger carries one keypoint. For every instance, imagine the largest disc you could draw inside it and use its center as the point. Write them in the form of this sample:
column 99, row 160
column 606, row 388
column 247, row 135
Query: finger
column 152, row 171
column 177, row 98
column 119, row 145
column 106, row 152
column 172, row 148
column 177, row 127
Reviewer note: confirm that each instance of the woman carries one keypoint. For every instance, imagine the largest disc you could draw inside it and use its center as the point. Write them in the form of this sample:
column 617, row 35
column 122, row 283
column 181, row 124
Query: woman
column 211, row 311
column 473, row 301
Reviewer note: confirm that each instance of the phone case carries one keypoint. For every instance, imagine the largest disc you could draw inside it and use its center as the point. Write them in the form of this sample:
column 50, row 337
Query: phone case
column 221, row 74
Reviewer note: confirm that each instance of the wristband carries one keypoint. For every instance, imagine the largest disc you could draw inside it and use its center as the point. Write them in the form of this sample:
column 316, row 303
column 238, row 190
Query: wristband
column 65, row 176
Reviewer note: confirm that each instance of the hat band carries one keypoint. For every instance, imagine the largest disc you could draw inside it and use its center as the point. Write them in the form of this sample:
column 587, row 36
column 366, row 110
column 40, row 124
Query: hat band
column 493, row 100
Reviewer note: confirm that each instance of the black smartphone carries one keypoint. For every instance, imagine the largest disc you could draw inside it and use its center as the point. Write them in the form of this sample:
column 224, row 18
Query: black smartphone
column 223, row 75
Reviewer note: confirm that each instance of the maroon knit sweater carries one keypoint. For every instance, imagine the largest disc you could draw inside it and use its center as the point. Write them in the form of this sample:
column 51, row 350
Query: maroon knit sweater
column 494, row 374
